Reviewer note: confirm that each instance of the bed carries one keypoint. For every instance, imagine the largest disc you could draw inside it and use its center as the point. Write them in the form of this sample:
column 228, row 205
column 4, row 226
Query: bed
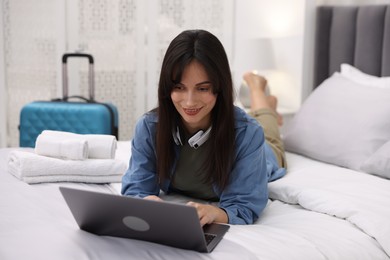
column 333, row 202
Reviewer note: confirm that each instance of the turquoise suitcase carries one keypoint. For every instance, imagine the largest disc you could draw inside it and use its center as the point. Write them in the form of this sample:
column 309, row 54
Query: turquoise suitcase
column 85, row 117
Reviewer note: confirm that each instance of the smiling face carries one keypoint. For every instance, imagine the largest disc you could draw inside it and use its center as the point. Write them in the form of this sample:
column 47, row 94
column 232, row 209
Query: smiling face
column 193, row 97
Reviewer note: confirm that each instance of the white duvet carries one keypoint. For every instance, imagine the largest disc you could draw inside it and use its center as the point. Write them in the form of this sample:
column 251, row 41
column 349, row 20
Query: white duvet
column 359, row 198
column 35, row 222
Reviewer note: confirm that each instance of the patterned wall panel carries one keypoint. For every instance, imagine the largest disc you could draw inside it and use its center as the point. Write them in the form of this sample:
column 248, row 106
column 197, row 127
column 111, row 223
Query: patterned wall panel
column 127, row 38
column 107, row 29
column 30, row 55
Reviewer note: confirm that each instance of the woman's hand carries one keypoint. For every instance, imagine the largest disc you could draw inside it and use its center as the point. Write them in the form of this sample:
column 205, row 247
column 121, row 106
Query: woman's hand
column 209, row 213
column 153, row 197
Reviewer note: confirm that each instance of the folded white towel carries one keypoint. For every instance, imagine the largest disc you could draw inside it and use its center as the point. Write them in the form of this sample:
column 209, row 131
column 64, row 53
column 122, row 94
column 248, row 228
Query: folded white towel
column 33, row 168
column 99, row 146
column 66, row 148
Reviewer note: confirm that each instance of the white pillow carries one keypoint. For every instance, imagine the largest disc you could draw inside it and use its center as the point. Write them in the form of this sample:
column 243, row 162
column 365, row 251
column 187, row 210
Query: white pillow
column 341, row 122
column 360, row 77
column 379, row 162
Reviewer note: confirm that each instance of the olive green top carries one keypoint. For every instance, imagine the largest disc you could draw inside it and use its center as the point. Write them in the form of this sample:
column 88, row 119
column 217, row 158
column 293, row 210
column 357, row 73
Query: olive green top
column 189, row 175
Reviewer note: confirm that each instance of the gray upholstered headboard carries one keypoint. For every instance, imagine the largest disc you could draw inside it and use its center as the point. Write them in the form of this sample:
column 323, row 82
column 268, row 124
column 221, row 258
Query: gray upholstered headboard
column 358, row 35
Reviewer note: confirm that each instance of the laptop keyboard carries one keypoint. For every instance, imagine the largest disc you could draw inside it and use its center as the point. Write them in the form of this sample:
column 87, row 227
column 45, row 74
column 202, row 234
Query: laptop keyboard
column 209, row 238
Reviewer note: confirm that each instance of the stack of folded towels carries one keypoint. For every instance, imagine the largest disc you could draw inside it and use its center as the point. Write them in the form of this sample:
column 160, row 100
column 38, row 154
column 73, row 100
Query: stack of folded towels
column 68, row 157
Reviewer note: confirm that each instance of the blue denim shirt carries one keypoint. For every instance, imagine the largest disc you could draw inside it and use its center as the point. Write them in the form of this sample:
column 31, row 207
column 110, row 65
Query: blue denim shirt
column 254, row 165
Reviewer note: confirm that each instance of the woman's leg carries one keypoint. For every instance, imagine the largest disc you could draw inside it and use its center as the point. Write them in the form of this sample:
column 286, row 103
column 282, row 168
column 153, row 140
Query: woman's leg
column 263, row 109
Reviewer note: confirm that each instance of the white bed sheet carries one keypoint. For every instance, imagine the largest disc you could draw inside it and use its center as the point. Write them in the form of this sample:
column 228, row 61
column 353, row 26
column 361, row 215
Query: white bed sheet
column 35, row 222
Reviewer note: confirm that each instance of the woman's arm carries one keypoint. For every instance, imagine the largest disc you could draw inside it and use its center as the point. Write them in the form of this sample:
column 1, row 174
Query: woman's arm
column 247, row 194
column 140, row 179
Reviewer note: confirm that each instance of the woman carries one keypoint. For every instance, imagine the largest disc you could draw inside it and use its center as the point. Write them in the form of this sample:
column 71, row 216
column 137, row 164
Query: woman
column 197, row 143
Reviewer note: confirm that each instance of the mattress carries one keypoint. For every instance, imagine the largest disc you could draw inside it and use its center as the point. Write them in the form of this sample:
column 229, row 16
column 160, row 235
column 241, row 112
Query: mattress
column 317, row 211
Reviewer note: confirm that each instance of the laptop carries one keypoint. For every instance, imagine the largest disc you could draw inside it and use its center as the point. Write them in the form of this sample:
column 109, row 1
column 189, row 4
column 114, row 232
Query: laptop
column 167, row 223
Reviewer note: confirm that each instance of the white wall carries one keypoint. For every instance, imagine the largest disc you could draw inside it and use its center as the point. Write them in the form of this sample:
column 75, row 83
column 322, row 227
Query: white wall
column 3, row 93
column 307, row 75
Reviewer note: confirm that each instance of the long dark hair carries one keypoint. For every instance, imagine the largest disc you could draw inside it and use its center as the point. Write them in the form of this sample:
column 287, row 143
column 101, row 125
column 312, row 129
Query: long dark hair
column 206, row 49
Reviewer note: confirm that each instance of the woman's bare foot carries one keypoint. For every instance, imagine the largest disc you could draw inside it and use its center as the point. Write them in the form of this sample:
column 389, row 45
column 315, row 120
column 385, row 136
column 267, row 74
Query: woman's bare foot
column 255, row 82
column 259, row 99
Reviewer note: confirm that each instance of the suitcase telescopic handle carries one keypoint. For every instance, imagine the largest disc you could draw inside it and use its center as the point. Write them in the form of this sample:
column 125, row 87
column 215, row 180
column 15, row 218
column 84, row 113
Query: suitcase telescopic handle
column 91, row 83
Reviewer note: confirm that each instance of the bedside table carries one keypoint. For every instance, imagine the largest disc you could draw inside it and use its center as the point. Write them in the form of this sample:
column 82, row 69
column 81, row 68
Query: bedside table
column 287, row 114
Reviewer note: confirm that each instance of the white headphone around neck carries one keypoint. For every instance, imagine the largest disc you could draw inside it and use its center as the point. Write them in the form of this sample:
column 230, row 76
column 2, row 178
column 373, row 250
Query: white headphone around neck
column 195, row 141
